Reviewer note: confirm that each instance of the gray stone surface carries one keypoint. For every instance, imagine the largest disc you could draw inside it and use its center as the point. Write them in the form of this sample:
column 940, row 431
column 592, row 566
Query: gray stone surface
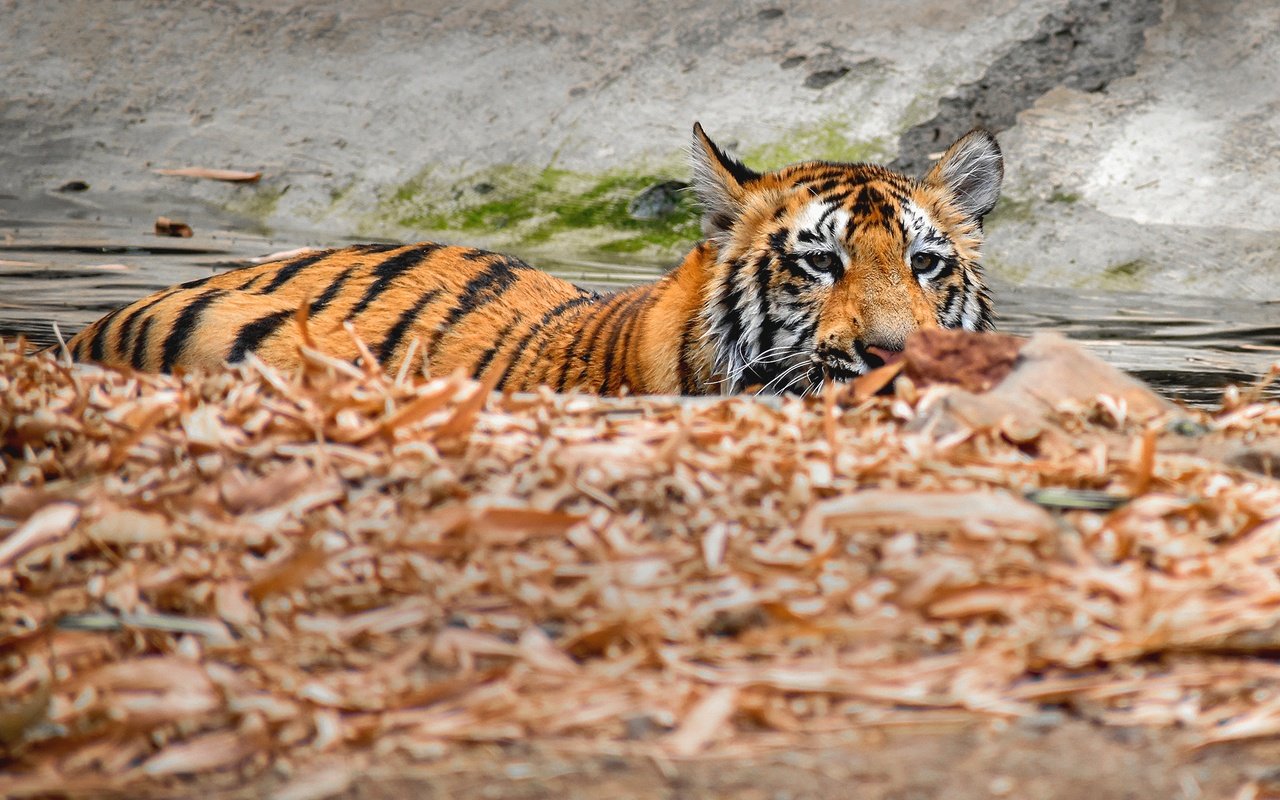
column 1170, row 179
column 1141, row 139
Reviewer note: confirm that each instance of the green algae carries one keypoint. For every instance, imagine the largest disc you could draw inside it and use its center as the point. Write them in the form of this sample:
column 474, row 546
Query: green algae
column 1015, row 274
column 528, row 208
column 1127, row 275
column 543, row 208
column 257, row 202
column 827, row 141
column 1011, row 209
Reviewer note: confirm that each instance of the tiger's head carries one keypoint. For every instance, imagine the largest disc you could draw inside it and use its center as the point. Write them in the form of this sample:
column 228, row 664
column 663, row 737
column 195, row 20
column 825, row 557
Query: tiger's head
column 823, row 267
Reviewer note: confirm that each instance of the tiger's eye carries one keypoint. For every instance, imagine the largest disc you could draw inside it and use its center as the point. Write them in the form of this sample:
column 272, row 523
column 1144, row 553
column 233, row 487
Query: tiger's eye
column 924, row 262
column 823, row 261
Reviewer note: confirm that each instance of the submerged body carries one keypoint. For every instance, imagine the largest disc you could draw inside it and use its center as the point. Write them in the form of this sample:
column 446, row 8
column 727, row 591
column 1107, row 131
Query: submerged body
column 805, row 274
column 442, row 307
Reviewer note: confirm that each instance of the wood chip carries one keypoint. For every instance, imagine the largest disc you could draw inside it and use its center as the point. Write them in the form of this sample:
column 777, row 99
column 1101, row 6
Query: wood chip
column 250, row 575
column 231, row 175
column 172, row 227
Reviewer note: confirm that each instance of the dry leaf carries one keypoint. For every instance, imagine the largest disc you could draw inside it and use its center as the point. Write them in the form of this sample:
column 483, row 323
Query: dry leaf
column 173, row 227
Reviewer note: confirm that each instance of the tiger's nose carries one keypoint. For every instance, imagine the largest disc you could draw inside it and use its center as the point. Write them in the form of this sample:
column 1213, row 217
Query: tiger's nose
column 890, row 331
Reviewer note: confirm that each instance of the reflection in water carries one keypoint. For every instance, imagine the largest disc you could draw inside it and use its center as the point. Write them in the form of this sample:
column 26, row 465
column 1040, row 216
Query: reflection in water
column 70, row 272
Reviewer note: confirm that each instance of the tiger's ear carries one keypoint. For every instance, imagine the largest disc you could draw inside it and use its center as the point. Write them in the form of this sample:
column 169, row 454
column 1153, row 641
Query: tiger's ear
column 971, row 170
column 718, row 182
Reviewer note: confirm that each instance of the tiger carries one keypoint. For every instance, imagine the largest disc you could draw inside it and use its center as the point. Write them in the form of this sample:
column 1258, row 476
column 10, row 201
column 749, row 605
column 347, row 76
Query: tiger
column 807, row 275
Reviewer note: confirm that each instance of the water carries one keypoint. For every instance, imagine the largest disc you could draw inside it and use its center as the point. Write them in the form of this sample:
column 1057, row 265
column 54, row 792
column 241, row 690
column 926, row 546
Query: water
column 62, row 261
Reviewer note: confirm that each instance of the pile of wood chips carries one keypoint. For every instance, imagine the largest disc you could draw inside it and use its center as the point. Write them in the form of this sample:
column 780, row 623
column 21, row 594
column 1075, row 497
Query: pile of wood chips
column 209, row 577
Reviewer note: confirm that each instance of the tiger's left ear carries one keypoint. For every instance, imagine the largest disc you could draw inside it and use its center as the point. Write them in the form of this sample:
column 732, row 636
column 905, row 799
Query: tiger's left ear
column 718, row 181
column 971, row 171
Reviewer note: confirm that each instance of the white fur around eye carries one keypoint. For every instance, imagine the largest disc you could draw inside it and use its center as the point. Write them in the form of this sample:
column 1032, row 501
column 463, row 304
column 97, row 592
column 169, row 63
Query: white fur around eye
column 818, row 232
column 933, row 264
column 923, row 236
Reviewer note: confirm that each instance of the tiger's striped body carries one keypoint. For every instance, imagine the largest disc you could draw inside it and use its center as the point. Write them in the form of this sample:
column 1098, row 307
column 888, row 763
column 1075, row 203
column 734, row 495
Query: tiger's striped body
column 468, row 309
column 806, row 273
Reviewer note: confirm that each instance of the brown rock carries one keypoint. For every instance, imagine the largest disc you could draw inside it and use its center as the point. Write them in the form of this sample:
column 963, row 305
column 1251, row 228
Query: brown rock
column 1044, row 373
column 972, row 361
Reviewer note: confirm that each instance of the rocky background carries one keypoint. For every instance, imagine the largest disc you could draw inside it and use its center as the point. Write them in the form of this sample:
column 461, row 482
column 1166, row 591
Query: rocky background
column 1142, row 138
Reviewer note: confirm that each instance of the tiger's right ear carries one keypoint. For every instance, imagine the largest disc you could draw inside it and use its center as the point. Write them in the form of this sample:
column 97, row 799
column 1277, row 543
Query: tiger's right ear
column 971, row 170
column 718, row 182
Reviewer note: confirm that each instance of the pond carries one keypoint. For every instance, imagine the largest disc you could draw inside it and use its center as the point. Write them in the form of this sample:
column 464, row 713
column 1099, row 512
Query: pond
column 64, row 262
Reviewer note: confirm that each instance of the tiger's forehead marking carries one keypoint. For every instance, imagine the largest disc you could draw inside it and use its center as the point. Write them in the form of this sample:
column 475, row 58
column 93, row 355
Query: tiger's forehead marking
column 821, row 222
column 862, row 201
column 923, row 231
column 872, row 196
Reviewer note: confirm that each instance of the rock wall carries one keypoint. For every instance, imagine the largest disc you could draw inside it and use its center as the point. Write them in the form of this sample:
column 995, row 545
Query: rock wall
column 1141, row 137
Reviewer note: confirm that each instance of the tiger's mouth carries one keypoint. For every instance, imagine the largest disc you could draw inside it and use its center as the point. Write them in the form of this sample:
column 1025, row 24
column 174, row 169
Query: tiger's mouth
column 826, row 364
column 881, row 357
column 830, row 364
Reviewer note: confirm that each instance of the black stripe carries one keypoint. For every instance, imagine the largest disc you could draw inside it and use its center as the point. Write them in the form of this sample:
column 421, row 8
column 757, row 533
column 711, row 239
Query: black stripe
column 124, row 342
column 605, row 313
column 388, row 347
column 767, row 325
column 139, row 356
column 247, row 285
column 389, row 270
column 946, row 269
column 374, row 247
column 836, row 200
column 721, row 221
column 184, row 327
column 834, row 172
column 486, row 286
column 291, row 269
column 330, row 292
column 861, row 205
column 792, row 264
column 487, row 355
column 255, row 333
column 683, row 368
column 192, row 284
column 626, row 313
column 97, row 342
column 631, row 325
column 537, row 327
column 731, row 320
column 98, row 339
column 948, row 313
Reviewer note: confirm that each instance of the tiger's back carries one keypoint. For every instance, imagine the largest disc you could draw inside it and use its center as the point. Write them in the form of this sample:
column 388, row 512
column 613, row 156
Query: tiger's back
column 443, row 307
